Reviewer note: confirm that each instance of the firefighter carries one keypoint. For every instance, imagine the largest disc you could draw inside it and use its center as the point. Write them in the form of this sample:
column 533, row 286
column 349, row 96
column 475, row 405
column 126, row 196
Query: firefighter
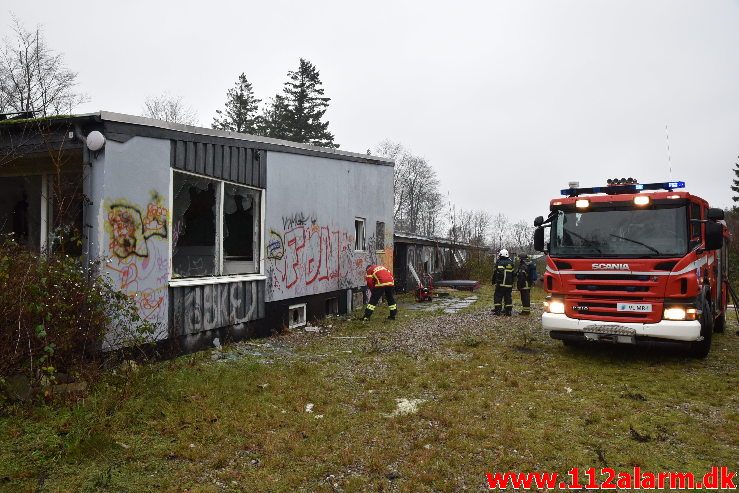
column 380, row 281
column 525, row 277
column 503, row 280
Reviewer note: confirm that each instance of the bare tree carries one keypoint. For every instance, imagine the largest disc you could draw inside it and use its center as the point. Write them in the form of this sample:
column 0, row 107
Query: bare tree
column 500, row 231
column 33, row 78
column 480, row 222
column 418, row 204
column 521, row 238
column 169, row 109
column 471, row 226
column 430, row 213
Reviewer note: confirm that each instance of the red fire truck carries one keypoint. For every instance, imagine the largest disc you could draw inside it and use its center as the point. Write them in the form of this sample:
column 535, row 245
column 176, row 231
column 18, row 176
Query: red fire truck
column 634, row 263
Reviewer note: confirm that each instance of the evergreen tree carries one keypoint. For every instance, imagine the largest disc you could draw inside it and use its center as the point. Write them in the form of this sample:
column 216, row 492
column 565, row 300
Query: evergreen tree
column 240, row 114
column 296, row 114
column 735, row 186
column 274, row 121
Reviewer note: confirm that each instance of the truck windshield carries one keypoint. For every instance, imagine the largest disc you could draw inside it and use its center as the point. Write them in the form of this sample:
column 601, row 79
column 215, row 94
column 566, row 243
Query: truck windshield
column 620, row 233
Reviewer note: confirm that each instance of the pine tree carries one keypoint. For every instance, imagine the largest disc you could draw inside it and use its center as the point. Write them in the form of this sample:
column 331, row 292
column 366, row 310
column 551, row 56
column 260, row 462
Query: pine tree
column 274, row 121
column 240, row 114
column 735, row 186
column 296, row 114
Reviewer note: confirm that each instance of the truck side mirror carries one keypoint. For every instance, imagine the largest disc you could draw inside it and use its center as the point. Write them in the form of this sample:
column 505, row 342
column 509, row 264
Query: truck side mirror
column 539, row 239
column 539, row 221
column 715, row 214
column 714, row 235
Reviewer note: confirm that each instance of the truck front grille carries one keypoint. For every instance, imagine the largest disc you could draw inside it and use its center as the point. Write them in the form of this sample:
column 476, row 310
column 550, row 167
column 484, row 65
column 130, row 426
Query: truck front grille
column 612, row 288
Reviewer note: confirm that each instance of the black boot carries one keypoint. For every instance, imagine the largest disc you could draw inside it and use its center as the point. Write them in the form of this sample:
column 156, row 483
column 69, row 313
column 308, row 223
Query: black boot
column 393, row 314
column 367, row 314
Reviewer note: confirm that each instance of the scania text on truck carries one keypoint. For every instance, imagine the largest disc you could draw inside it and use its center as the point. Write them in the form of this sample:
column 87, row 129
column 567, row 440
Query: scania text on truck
column 634, row 263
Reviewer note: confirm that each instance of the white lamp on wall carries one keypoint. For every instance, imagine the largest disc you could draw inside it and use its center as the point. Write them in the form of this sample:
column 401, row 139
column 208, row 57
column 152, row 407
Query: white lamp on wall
column 95, row 141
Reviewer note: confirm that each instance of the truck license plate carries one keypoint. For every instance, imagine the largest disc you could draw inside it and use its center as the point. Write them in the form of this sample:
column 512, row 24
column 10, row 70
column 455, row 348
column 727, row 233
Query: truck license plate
column 634, row 307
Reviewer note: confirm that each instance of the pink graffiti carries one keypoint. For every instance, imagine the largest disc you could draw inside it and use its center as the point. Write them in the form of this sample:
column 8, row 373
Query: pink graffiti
column 314, row 255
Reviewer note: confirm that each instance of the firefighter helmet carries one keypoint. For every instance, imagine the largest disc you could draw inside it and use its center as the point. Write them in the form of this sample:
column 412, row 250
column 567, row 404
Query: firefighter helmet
column 503, row 253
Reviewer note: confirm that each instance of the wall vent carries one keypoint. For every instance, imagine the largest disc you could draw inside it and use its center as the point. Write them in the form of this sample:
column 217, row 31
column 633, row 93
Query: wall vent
column 357, row 300
column 332, row 306
column 296, row 314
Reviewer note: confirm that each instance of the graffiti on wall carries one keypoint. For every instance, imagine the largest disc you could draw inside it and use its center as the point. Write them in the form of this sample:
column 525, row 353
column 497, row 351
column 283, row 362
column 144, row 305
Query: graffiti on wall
column 206, row 307
column 138, row 253
column 309, row 257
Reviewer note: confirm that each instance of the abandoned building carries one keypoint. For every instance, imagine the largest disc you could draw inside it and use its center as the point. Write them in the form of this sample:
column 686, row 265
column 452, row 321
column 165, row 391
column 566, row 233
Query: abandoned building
column 209, row 232
column 435, row 257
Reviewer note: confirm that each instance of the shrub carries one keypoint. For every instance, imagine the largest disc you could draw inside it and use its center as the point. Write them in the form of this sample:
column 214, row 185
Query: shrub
column 54, row 313
column 477, row 266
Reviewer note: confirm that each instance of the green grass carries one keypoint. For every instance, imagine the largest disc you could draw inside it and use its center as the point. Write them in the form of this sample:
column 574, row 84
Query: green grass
column 496, row 398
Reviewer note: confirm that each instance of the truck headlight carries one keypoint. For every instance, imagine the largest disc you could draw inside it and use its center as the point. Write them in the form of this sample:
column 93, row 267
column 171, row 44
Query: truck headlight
column 675, row 313
column 681, row 313
column 555, row 306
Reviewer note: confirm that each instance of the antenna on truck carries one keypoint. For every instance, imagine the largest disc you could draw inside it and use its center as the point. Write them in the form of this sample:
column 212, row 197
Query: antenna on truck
column 669, row 157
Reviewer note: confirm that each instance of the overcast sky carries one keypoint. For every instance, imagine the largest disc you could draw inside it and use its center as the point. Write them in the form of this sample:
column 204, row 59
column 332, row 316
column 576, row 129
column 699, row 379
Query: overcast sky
column 507, row 100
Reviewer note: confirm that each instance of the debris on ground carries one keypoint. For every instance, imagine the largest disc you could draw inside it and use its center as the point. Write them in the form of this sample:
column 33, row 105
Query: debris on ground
column 406, row 406
column 446, row 304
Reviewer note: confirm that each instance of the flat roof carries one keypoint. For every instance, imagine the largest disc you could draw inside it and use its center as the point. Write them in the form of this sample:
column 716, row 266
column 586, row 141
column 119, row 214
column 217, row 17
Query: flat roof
column 402, row 237
column 109, row 116
column 120, row 123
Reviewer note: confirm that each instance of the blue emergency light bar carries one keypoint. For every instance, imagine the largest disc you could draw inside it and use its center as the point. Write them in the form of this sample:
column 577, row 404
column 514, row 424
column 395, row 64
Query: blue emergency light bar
column 621, row 189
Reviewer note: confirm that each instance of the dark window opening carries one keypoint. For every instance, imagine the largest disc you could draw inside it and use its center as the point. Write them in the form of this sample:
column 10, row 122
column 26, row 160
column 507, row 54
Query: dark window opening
column 380, row 236
column 20, row 209
column 359, row 235
column 240, row 229
column 216, row 227
column 332, row 306
column 194, row 226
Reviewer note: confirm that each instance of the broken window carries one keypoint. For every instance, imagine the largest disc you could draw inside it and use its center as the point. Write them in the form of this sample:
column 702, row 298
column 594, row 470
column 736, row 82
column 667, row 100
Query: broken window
column 380, row 236
column 43, row 210
column 240, row 229
column 216, row 227
column 359, row 234
column 20, row 209
column 194, row 216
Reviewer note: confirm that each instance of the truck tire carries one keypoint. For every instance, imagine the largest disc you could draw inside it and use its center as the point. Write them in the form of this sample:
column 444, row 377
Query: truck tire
column 700, row 349
column 720, row 324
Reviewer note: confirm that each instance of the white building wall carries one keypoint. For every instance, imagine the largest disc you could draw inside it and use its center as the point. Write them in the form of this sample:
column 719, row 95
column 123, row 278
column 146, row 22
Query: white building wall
column 311, row 205
column 130, row 235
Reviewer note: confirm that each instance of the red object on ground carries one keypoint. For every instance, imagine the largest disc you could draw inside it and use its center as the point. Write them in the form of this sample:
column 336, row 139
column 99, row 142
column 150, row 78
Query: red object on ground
column 425, row 293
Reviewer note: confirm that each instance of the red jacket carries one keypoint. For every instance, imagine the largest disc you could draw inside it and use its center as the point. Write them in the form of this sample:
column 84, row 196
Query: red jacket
column 378, row 277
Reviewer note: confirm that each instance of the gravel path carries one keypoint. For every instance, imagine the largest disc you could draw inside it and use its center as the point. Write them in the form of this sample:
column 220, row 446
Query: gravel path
column 429, row 334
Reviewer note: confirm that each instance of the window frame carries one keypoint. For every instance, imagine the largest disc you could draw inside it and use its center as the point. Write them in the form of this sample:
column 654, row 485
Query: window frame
column 695, row 228
column 219, row 276
column 363, row 245
column 379, row 238
column 44, row 242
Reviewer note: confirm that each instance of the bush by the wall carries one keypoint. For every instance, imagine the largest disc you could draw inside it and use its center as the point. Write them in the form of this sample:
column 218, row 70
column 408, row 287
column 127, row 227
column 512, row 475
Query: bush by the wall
column 477, row 266
column 54, row 313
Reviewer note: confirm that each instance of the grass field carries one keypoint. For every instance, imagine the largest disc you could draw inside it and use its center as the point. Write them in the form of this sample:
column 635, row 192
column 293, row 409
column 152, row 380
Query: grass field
column 319, row 412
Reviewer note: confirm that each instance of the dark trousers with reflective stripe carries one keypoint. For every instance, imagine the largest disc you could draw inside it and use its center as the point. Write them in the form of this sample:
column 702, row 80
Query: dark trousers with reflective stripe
column 525, row 300
column 377, row 293
column 503, row 293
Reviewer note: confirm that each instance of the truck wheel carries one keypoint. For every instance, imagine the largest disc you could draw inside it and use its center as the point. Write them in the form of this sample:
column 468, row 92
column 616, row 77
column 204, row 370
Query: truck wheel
column 720, row 323
column 701, row 349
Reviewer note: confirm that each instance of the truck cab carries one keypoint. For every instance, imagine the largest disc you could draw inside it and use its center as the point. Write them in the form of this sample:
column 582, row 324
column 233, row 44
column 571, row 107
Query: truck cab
column 631, row 263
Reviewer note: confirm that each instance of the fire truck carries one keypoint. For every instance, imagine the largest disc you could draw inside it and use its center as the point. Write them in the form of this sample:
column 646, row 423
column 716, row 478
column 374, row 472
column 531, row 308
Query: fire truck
column 634, row 263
